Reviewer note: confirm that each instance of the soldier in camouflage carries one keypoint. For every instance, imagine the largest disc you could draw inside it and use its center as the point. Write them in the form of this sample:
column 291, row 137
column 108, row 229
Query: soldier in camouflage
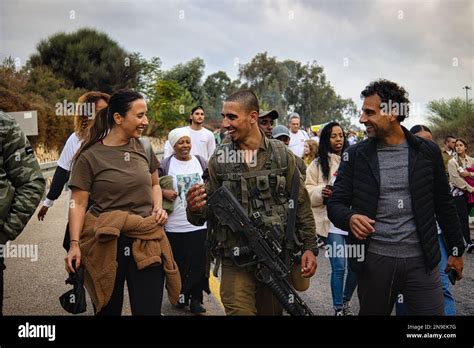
column 261, row 183
column 21, row 184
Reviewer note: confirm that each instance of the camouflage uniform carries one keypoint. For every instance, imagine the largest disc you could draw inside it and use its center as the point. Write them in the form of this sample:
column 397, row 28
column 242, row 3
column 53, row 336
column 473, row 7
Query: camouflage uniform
column 301, row 166
column 21, row 183
column 241, row 294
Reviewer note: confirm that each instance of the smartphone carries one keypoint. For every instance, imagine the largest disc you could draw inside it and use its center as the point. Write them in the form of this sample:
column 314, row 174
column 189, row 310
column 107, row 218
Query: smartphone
column 452, row 275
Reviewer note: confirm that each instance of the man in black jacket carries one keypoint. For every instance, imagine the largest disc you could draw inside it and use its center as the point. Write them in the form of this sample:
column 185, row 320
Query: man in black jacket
column 389, row 192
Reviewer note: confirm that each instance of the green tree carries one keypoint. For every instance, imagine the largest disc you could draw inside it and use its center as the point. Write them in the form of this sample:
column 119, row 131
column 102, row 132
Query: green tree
column 452, row 117
column 268, row 79
column 150, row 74
column 189, row 76
column 215, row 89
column 312, row 96
column 168, row 107
column 88, row 59
column 38, row 89
column 442, row 111
column 291, row 85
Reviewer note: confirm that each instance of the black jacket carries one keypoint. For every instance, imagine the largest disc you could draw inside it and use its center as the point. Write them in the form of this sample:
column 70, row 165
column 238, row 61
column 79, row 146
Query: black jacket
column 357, row 189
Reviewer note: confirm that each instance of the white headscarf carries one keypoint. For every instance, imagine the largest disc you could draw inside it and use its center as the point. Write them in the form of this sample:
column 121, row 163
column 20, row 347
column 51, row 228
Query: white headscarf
column 177, row 134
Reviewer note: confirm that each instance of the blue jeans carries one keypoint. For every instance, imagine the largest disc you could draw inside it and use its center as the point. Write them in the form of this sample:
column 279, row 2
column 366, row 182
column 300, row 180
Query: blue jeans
column 449, row 301
column 340, row 292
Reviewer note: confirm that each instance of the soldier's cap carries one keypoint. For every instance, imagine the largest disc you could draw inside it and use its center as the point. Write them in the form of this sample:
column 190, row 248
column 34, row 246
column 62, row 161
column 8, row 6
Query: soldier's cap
column 272, row 113
column 280, row 130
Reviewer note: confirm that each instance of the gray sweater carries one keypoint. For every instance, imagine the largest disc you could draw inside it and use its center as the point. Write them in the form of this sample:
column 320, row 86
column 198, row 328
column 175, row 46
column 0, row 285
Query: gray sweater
column 395, row 230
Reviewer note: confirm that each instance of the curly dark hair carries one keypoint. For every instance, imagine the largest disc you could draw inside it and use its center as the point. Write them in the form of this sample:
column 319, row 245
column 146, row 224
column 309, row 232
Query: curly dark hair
column 391, row 94
column 325, row 147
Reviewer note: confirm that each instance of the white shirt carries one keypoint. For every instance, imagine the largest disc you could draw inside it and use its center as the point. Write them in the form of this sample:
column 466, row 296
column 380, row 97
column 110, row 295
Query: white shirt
column 72, row 145
column 202, row 143
column 297, row 142
column 335, row 230
column 185, row 174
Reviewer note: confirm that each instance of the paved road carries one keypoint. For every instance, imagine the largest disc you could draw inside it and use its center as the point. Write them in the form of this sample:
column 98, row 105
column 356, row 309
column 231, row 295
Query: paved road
column 33, row 287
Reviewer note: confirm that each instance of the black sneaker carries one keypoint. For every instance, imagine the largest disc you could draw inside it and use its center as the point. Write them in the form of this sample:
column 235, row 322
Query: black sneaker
column 181, row 304
column 346, row 309
column 469, row 248
column 196, row 307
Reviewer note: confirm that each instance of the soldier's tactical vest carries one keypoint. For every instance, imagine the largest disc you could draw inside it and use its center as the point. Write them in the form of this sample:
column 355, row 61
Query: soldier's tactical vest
column 261, row 190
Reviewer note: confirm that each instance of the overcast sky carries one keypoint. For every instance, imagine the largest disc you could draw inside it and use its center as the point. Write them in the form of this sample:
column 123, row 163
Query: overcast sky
column 426, row 46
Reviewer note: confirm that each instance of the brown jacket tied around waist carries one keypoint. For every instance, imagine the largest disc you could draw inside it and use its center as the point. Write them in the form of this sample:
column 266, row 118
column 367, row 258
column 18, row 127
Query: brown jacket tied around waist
column 99, row 252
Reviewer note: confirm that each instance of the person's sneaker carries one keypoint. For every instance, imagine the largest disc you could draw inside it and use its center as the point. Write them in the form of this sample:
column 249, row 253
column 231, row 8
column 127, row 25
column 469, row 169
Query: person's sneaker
column 469, row 248
column 338, row 313
column 181, row 304
column 346, row 309
column 196, row 307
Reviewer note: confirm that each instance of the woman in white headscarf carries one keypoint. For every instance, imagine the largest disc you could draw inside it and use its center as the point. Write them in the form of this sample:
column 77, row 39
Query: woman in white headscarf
column 187, row 241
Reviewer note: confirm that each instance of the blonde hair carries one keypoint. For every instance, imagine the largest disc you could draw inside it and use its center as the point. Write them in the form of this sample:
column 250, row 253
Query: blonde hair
column 313, row 150
column 82, row 121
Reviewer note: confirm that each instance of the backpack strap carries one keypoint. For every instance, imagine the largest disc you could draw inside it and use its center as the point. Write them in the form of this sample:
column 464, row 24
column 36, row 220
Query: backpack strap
column 280, row 153
column 202, row 162
column 164, row 166
column 147, row 147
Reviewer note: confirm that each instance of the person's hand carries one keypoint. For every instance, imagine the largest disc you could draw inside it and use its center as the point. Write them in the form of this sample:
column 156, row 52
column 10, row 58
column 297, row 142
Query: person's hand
column 361, row 226
column 169, row 194
column 42, row 212
column 74, row 253
column 308, row 264
column 457, row 263
column 465, row 174
column 196, row 198
column 326, row 192
column 161, row 216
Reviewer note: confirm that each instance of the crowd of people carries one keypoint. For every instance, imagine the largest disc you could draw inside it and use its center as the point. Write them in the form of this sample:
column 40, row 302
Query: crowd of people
column 394, row 204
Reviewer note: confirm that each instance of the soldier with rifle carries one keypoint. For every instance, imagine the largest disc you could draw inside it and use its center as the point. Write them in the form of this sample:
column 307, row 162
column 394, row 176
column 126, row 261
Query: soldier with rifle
column 259, row 216
column 21, row 185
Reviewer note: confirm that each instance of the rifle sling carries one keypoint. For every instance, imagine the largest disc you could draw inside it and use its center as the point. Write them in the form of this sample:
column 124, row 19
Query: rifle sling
column 291, row 221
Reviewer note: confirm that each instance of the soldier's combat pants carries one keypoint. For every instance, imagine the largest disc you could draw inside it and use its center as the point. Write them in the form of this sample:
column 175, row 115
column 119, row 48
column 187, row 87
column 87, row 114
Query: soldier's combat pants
column 243, row 294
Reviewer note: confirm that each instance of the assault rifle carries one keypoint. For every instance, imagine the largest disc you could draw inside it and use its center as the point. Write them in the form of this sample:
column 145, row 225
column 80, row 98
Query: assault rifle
column 263, row 249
